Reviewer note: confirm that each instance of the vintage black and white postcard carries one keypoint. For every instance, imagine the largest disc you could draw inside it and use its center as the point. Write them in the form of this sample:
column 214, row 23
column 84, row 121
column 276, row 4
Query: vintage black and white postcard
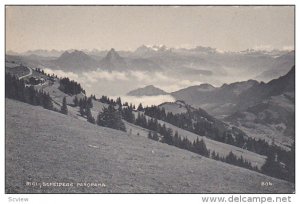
column 149, row 99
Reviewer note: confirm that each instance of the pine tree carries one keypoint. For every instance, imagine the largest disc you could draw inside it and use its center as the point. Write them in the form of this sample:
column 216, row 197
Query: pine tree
column 128, row 115
column 64, row 108
column 89, row 102
column 168, row 136
column 75, row 101
column 231, row 158
column 272, row 167
column 110, row 117
column 47, row 101
column 155, row 136
column 119, row 103
column 140, row 107
column 89, row 116
column 150, row 135
column 81, row 110
column 200, row 147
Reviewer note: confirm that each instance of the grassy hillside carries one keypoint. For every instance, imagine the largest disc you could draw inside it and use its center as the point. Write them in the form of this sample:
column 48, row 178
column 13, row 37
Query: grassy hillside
column 45, row 146
column 221, row 148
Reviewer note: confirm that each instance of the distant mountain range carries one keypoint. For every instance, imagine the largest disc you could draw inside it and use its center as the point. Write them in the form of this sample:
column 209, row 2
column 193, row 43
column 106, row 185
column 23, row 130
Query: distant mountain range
column 259, row 109
column 280, row 66
column 216, row 100
column 113, row 61
column 235, row 96
column 75, row 60
column 147, row 91
column 195, row 62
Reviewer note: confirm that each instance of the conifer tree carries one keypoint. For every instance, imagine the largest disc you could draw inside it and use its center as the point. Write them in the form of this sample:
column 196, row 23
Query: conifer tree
column 155, row 136
column 64, row 108
column 140, row 107
column 89, row 116
column 81, row 110
column 75, row 101
column 110, row 117
column 89, row 102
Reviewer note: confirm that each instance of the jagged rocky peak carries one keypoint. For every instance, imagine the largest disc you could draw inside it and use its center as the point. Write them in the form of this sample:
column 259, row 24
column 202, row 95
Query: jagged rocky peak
column 112, row 54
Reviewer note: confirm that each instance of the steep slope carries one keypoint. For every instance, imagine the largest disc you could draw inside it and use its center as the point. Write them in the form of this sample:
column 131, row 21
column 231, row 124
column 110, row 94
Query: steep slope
column 52, row 147
column 272, row 120
column 268, row 110
column 113, row 61
column 220, row 148
column 216, row 100
column 262, row 91
column 147, row 91
column 279, row 67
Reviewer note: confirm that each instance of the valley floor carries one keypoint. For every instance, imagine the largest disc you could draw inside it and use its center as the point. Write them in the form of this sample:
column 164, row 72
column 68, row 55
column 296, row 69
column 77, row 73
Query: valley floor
column 45, row 146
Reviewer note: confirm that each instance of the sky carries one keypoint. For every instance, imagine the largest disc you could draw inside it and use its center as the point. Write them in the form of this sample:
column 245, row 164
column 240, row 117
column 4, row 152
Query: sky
column 227, row 28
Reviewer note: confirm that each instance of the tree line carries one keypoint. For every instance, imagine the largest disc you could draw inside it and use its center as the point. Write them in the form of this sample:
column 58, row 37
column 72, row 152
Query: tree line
column 283, row 166
column 201, row 123
column 16, row 89
column 70, row 86
column 162, row 134
column 110, row 116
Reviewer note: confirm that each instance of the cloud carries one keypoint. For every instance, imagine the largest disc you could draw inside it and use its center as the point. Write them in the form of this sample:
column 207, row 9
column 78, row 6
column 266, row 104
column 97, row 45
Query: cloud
column 61, row 73
column 178, row 84
column 148, row 100
column 161, row 80
column 94, row 76
column 118, row 83
column 140, row 76
column 91, row 76
column 288, row 48
column 263, row 47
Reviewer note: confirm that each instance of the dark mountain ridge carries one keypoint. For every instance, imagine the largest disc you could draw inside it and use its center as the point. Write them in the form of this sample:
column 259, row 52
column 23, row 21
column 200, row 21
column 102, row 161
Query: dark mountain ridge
column 75, row 61
column 147, row 91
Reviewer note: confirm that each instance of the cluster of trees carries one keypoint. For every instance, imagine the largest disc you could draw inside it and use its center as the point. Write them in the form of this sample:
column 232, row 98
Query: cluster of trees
column 198, row 146
column 15, row 89
column 285, row 171
column 280, row 163
column 44, row 73
column 234, row 160
column 111, row 117
column 127, row 113
column 85, row 104
column 197, row 121
column 284, row 164
column 40, row 71
column 70, row 87
column 201, row 123
column 107, row 100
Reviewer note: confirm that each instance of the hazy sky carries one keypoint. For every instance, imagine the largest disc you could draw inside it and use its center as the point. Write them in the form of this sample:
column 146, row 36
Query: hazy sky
column 127, row 27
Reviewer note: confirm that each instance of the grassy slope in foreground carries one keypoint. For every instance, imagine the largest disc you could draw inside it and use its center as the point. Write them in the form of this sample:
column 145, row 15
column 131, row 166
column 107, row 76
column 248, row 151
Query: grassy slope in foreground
column 42, row 145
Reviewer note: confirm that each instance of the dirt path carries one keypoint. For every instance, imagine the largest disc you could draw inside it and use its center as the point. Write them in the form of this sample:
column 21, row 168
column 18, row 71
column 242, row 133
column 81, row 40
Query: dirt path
column 30, row 73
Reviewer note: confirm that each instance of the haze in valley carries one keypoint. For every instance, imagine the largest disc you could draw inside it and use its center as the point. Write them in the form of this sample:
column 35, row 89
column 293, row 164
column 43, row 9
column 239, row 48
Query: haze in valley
column 170, row 47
